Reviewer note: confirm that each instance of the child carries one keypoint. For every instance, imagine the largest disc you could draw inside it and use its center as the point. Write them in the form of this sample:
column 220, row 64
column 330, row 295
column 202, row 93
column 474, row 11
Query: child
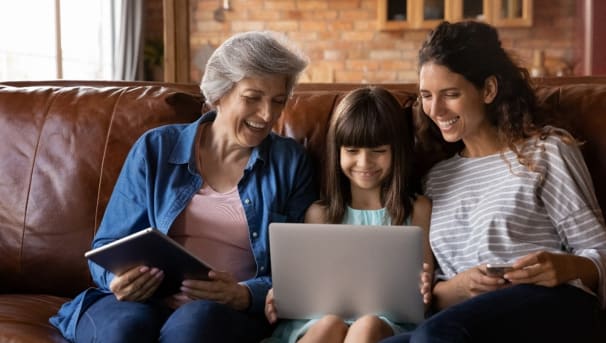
column 368, row 181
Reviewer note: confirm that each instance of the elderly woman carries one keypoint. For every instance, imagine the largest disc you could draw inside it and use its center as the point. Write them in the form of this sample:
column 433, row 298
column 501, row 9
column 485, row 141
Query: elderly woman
column 214, row 186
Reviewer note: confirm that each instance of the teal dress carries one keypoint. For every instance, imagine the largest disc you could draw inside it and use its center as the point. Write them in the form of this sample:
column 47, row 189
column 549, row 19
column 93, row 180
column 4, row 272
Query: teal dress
column 289, row 331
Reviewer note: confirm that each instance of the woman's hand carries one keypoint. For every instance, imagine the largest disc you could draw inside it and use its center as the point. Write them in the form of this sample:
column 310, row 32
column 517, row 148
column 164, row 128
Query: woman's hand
column 544, row 269
column 222, row 288
column 271, row 313
column 137, row 284
column 425, row 286
column 476, row 281
column 465, row 285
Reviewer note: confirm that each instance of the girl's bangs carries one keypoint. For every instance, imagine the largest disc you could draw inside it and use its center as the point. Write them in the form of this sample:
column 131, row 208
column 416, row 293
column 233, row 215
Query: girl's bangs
column 363, row 129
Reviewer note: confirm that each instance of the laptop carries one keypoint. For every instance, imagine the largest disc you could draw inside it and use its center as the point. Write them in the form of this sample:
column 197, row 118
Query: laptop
column 347, row 270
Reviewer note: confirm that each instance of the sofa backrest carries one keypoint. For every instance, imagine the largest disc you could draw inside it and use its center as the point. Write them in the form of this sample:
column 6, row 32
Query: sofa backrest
column 63, row 144
column 577, row 104
column 62, row 149
column 581, row 109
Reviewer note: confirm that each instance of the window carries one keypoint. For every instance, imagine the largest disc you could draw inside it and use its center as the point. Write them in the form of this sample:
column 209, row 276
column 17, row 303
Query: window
column 36, row 46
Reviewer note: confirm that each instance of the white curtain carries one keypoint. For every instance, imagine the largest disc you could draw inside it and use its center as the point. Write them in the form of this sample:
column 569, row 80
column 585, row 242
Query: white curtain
column 128, row 40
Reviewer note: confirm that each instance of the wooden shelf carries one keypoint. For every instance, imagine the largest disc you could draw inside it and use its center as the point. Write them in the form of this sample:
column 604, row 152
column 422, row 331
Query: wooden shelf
column 395, row 15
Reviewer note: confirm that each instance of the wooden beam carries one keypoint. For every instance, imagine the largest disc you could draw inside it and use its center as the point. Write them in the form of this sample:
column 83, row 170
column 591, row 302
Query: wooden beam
column 58, row 47
column 176, row 40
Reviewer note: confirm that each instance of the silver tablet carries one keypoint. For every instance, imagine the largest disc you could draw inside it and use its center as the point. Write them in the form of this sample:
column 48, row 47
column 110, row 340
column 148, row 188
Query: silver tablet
column 151, row 248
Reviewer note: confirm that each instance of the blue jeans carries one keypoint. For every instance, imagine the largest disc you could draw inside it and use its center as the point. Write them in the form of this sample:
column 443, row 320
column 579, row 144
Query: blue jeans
column 521, row 313
column 110, row 320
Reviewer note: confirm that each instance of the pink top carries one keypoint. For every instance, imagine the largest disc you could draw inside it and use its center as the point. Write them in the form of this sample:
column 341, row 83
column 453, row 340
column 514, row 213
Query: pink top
column 213, row 227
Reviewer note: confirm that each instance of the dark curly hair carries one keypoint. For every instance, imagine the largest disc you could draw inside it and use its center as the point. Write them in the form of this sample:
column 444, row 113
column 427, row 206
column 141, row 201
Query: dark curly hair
column 473, row 49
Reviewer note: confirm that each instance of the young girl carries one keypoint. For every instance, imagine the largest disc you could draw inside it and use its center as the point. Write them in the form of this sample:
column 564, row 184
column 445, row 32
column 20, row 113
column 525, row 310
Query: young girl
column 368, row 181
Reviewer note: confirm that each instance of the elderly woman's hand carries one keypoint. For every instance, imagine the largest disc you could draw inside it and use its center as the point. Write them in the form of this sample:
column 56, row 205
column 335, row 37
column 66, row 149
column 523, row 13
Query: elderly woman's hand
column 222, row 288
column 137, row 284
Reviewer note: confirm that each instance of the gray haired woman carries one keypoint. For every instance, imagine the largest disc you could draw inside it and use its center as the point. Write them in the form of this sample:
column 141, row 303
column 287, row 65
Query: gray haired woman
column 214, row 186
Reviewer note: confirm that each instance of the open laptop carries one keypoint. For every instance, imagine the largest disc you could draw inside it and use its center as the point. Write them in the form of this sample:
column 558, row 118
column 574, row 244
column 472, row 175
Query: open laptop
column 347, row 270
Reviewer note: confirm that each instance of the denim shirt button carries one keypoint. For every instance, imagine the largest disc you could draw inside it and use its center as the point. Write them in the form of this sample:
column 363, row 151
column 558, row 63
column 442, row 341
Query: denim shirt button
column 254, row 234
column 247, row 201
column 262, row 268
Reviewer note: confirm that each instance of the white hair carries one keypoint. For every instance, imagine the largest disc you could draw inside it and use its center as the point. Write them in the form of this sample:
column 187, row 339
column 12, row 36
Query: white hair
column 250, row 54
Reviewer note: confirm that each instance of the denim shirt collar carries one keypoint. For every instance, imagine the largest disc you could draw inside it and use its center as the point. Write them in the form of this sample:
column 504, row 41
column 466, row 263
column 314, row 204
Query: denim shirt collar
column 184, row 150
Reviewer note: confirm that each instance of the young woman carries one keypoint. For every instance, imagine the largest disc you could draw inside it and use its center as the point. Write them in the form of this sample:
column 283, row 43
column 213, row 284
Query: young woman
column 368, row 181
column 515, row 192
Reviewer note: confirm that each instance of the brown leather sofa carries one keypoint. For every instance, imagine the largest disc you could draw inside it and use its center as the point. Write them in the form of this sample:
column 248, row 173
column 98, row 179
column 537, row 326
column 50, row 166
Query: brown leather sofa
column 63, row 144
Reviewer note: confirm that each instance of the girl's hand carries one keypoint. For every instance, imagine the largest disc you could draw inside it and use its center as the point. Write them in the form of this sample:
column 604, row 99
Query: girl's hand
column 542, row 268
column 222, row 288
column 136, row 284
column 271, row 313
column 426, row 284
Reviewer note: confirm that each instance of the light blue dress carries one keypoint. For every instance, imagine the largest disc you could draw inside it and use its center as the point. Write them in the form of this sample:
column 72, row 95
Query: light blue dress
column 289, row 331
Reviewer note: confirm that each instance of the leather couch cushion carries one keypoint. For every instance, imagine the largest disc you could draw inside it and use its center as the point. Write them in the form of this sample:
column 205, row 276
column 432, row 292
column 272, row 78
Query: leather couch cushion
column 62, row 150
column 24, row 318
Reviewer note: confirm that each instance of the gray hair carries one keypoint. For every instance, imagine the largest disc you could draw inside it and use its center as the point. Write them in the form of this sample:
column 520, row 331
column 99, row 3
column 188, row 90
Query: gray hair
column 251, row 54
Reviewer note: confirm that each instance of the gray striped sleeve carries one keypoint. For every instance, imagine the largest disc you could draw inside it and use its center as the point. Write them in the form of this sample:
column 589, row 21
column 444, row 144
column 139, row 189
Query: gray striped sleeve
column 488, row 210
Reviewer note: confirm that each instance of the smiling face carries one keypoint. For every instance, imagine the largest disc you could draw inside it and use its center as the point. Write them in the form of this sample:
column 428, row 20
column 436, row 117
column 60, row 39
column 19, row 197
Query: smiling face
column 455, row 105
column 366, row 168
column 250, row 109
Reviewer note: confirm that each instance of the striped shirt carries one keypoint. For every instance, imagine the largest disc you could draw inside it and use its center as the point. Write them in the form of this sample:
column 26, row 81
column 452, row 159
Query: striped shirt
column 487, row 210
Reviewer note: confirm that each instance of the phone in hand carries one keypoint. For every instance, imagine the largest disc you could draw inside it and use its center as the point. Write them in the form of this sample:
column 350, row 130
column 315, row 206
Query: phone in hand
column 498, row 269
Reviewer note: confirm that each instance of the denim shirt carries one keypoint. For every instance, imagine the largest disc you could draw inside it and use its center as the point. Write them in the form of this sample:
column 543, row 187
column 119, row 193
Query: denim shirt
column 160, row 177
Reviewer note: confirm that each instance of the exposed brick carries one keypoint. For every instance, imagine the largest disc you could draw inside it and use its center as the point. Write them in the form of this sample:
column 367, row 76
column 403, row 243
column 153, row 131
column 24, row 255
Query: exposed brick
column 364, row 25
column 242, row 26
column 302, row 37
column 283, row 25
column 364, row 65
column 291, row 15
column 312, row 5
column 263, row 15
column 356, row 15
column 278, row 4
column 342, row 35
column 343, row 4
column 403, row 64
column 314, row 25
column 335, row 55
column 349, row 76
column 385, row 55
column 358, row 36
column 341, row 26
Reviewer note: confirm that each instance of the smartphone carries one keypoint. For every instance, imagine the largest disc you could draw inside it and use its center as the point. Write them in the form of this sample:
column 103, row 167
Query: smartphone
column 498, row 269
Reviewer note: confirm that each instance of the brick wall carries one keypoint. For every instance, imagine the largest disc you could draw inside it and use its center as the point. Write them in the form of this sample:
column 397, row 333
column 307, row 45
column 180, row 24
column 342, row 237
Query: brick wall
column 344, row 45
